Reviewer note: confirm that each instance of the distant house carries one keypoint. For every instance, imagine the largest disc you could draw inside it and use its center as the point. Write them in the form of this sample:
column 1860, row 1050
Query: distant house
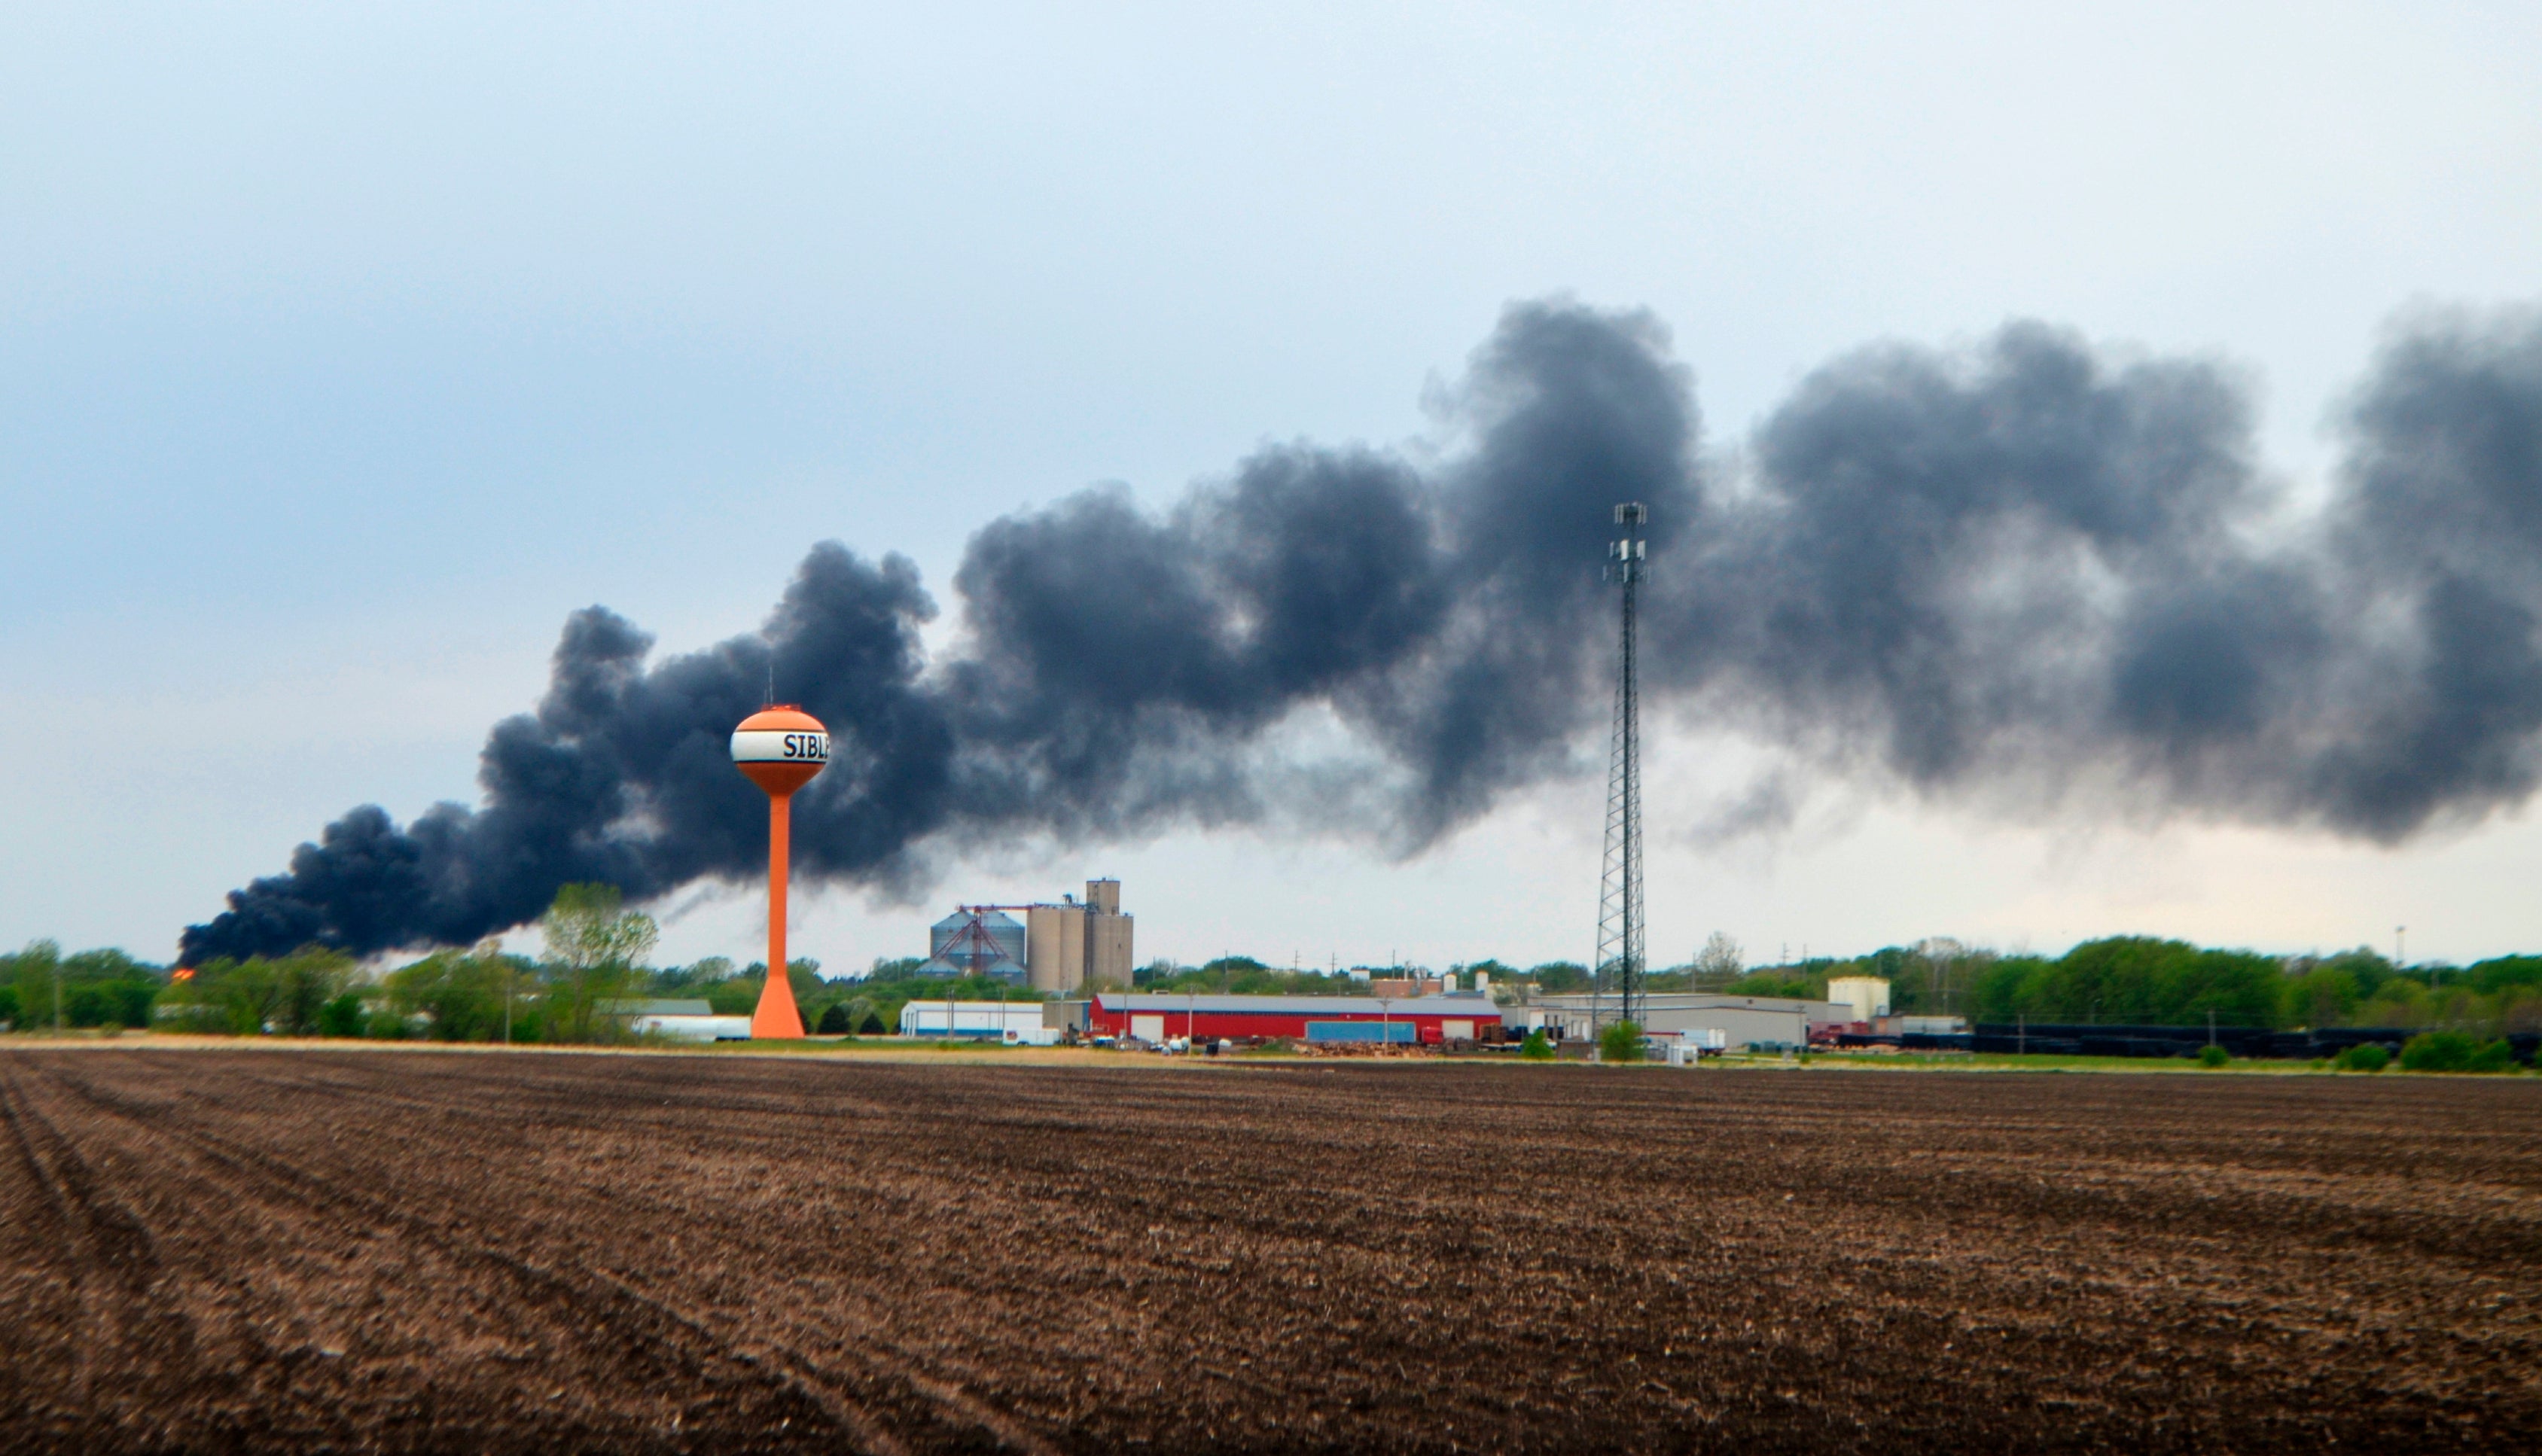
column 686, row 1021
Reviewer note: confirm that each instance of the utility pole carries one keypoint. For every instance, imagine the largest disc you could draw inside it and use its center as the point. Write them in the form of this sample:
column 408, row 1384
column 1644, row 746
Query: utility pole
column 1621, row 907
column 2398, row 958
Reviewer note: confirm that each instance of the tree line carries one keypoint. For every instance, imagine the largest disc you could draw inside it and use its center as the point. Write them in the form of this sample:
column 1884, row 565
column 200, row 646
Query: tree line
column 2145, row 981
column 595, row 951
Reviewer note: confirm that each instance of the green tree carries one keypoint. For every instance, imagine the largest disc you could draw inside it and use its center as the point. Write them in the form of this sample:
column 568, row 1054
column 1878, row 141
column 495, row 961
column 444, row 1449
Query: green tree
column 36, row 973
column 1720, row 962
column 1557, row 978
column 94, row 988
column 89, row 1005
column 694, row 976
column 283, row 995
column 2505, row 974
column 2365, row 1057
column 2365, row 966
column 1621, row 1042
column 803, row 978
column 2131, row 980
column 1537, row 1048
column 596, row 946
column 2454, row 1051
column 2009, row 987
column 460, row 994
column 2322, row 995
column 136, row 1001
column 340, row 1017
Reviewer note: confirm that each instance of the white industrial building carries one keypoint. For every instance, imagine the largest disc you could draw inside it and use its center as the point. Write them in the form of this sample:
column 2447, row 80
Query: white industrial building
column 1767, row 1022
column 684, row 1021
column 1015, row 1023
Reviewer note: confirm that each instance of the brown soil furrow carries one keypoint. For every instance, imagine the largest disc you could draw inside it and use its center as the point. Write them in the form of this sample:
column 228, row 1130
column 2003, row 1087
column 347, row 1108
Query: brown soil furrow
column 589, row 1298
column 538, row 1252
column 134, row 1349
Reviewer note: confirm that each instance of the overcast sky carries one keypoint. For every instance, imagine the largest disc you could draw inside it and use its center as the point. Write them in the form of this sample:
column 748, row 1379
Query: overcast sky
column 344, row 351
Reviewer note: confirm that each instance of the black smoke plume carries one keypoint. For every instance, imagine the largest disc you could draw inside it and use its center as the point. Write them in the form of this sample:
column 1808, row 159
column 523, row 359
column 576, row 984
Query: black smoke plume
column 2029, row 572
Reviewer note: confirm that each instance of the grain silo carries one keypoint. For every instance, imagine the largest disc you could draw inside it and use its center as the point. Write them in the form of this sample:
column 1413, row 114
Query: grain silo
column 1107, row 936
column 1075, row 944
column 1055, row 946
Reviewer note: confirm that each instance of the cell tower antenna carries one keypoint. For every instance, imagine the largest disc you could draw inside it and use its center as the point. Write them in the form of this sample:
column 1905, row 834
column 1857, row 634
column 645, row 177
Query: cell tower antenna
column 1620, row 903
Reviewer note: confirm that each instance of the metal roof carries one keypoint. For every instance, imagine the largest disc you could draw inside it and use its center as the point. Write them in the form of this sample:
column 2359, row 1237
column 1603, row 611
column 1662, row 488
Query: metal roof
column 1458, row 1003
column 1002, row 966
column 1687, row 1002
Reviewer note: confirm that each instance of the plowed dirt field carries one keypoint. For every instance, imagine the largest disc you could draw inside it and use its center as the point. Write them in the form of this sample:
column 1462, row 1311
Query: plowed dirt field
column 321, row 1250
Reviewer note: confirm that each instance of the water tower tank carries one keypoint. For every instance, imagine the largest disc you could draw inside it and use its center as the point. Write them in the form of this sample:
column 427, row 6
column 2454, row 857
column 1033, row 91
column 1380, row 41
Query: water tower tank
column 781, row 749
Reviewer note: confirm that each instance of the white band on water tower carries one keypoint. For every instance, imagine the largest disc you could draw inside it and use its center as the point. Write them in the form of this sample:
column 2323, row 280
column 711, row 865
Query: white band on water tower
column 775, row 746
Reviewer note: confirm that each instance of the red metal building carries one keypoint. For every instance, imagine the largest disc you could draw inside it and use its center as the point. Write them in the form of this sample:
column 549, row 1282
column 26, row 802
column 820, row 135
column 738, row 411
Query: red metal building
column 1426, row 1020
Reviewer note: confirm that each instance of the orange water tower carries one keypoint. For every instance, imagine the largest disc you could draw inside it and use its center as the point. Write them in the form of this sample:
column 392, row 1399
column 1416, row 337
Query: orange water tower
column 781, row 747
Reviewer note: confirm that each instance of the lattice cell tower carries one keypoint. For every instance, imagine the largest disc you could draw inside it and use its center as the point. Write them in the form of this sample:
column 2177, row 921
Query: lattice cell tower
column 1620, row 909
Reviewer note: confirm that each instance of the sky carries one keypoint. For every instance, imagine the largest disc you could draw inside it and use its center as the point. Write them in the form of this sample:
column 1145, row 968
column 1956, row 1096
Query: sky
column 343, row 351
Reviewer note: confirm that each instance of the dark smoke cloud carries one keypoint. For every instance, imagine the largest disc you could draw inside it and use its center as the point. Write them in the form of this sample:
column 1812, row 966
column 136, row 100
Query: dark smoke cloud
column 2030, row 569
column 2027, row 570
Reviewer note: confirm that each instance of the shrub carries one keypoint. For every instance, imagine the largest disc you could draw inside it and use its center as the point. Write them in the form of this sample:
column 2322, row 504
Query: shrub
column 9, row 1004
column 2213, row 1055
column 2438, row 1052
column 387, row 1026
column 1537, row 1047
column 2496, row 1057
column 834, row 1021
column 340, row 1017
column 135, row 1000
column 1621, row 1042
column 89, row 1005
column 282, row 996
column 459, row 994
column 2366, row 1056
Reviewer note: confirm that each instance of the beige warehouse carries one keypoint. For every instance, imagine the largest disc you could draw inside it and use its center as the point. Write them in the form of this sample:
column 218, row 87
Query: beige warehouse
column 1747, row 1021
